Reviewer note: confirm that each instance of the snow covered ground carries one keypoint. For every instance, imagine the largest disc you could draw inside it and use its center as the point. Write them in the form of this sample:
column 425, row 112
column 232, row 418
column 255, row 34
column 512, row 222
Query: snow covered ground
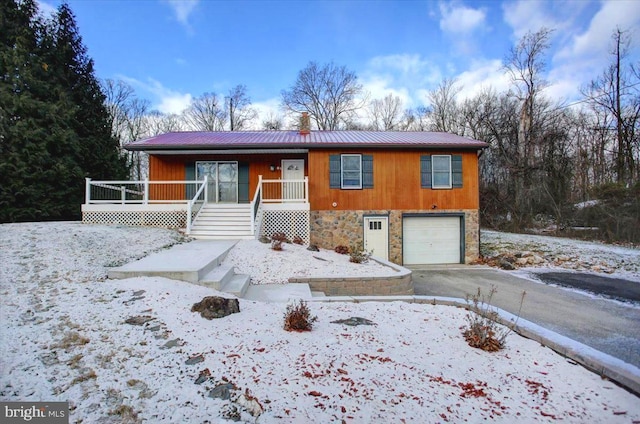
column 269, row 267
column 64, row 337
column 564, row 253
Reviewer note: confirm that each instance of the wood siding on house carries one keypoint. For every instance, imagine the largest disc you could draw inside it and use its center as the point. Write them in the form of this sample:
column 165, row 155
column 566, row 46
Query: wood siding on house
column 166, row 168
column 171, row 168
column 396, row 179
column 396, row 183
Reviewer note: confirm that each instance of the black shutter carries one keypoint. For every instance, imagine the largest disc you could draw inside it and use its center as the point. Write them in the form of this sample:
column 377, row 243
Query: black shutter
column 425, row 171
column 334, row 171
column 190, row 175
column 367, row 171
column 456, row 171
column 243, row 183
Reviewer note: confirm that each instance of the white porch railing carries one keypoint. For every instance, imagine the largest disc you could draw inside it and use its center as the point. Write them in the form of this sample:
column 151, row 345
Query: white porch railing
column 141, row 192
column 277, row 205
column 284, row 191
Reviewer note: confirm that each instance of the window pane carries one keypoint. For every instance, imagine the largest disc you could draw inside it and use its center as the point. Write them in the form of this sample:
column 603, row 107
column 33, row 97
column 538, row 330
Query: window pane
column 441, row 163
column 441, row 171
column 351, row 163
column 441, row 179
column 351, row 171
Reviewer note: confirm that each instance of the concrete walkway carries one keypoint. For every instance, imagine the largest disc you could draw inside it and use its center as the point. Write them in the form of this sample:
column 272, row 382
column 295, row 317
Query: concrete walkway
column 605, row 325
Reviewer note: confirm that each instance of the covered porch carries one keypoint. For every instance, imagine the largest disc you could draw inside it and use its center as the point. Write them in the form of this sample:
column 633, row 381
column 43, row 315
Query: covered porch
column 209, row 207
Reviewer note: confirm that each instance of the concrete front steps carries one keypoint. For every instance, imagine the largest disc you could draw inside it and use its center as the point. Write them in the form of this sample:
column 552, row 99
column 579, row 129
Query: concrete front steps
column 223, row 222
column 198, row 262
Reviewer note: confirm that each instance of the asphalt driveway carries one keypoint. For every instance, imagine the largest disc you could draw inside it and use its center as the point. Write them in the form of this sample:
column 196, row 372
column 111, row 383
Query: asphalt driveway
column 606, row 325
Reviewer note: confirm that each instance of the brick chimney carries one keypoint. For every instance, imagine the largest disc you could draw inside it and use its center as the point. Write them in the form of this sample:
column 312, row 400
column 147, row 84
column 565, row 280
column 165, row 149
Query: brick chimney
column 305, row 124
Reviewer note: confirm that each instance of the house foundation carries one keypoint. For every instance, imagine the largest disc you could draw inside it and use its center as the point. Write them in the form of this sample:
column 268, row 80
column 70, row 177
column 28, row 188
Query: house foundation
column 331, row 228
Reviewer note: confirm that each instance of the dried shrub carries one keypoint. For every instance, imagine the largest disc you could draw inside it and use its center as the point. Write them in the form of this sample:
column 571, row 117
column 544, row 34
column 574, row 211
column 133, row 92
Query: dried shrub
column 126, row 413
column 298, row 240
column 343, row 250
column 298, row 317
column 482, row 330
column 276, row 245
column 358, row 255
column 71, row 339
column 280, row 236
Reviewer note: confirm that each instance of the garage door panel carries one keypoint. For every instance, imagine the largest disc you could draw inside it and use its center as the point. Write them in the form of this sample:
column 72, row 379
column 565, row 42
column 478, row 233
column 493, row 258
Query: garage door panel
column 431, row 240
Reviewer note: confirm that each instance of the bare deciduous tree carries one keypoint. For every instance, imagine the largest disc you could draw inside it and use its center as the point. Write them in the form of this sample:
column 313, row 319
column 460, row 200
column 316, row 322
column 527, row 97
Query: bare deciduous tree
column 128, row 115
column 206, row 113
column 272, row 122
column 444, row 107
column 615, row 96
column 118, row 94
column 416, row 119
column 329, row 93
column 525, row 64
column 386, row 114
column 161, row 123
column 239, row 108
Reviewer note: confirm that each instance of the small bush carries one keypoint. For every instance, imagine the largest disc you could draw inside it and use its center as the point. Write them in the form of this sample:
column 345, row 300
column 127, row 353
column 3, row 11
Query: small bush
column 276, row 245
column 482, row 329
column 298, row 317
column 343, row 250
column 280, row 236
column 358, row 254
column 298, row 240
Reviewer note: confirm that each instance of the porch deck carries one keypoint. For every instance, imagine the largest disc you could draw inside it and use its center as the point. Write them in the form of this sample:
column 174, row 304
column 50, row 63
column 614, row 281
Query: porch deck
column 277, row 206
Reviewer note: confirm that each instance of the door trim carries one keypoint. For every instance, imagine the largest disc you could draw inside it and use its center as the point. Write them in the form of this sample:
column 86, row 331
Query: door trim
column 365, row 226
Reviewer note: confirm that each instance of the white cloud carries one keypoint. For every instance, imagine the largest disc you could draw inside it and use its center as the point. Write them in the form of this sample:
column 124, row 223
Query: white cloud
column 45, row 9
column 402, row 75
column 587, row 53
column 529, row 15
column 483, row 74
column 174, row 103
column 266, row 109
column 460, row 19
column 596, row 40
column 459, row 23
column 166, row 100
column 182, row 10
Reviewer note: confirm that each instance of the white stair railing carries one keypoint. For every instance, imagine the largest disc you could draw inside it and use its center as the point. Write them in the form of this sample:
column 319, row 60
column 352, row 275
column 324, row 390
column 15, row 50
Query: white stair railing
column 193, row 201
column 255, row 206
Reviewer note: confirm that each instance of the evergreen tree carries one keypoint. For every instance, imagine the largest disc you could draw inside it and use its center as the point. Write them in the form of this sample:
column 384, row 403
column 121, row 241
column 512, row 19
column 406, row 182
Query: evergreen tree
column 24, row 113
column 54, row 128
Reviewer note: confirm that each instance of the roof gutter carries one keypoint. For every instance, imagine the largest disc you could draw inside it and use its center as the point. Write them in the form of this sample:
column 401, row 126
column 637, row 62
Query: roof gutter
column 224, row 152
column 171, row 149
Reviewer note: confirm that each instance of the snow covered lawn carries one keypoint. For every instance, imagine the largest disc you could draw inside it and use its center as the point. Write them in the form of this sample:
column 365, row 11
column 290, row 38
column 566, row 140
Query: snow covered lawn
column 64, row 337
column 267, row 266
column 564, row 253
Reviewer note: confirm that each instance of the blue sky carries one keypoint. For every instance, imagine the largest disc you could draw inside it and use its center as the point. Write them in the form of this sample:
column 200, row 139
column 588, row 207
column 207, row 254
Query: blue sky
column 173, row 50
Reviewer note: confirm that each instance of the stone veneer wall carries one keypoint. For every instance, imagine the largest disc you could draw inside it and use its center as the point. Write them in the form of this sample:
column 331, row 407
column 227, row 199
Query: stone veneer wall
column 331, row 228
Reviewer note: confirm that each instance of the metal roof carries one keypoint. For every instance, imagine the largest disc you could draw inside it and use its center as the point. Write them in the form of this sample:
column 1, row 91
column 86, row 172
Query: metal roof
column 203, row 140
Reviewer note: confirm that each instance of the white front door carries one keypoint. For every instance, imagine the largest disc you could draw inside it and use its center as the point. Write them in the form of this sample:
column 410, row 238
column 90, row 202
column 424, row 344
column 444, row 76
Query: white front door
column 293, row 170
column 376, row 236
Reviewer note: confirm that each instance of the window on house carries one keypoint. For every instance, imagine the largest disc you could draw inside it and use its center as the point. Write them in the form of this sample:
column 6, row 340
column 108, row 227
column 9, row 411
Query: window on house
column 351, row 171
column 441, row 171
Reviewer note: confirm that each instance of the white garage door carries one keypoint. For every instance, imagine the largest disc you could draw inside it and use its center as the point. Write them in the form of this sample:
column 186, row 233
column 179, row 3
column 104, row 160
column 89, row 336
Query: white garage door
column 431, row 240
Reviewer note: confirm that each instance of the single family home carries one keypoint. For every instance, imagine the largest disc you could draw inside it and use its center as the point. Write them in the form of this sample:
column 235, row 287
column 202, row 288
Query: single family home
column 409, row 197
